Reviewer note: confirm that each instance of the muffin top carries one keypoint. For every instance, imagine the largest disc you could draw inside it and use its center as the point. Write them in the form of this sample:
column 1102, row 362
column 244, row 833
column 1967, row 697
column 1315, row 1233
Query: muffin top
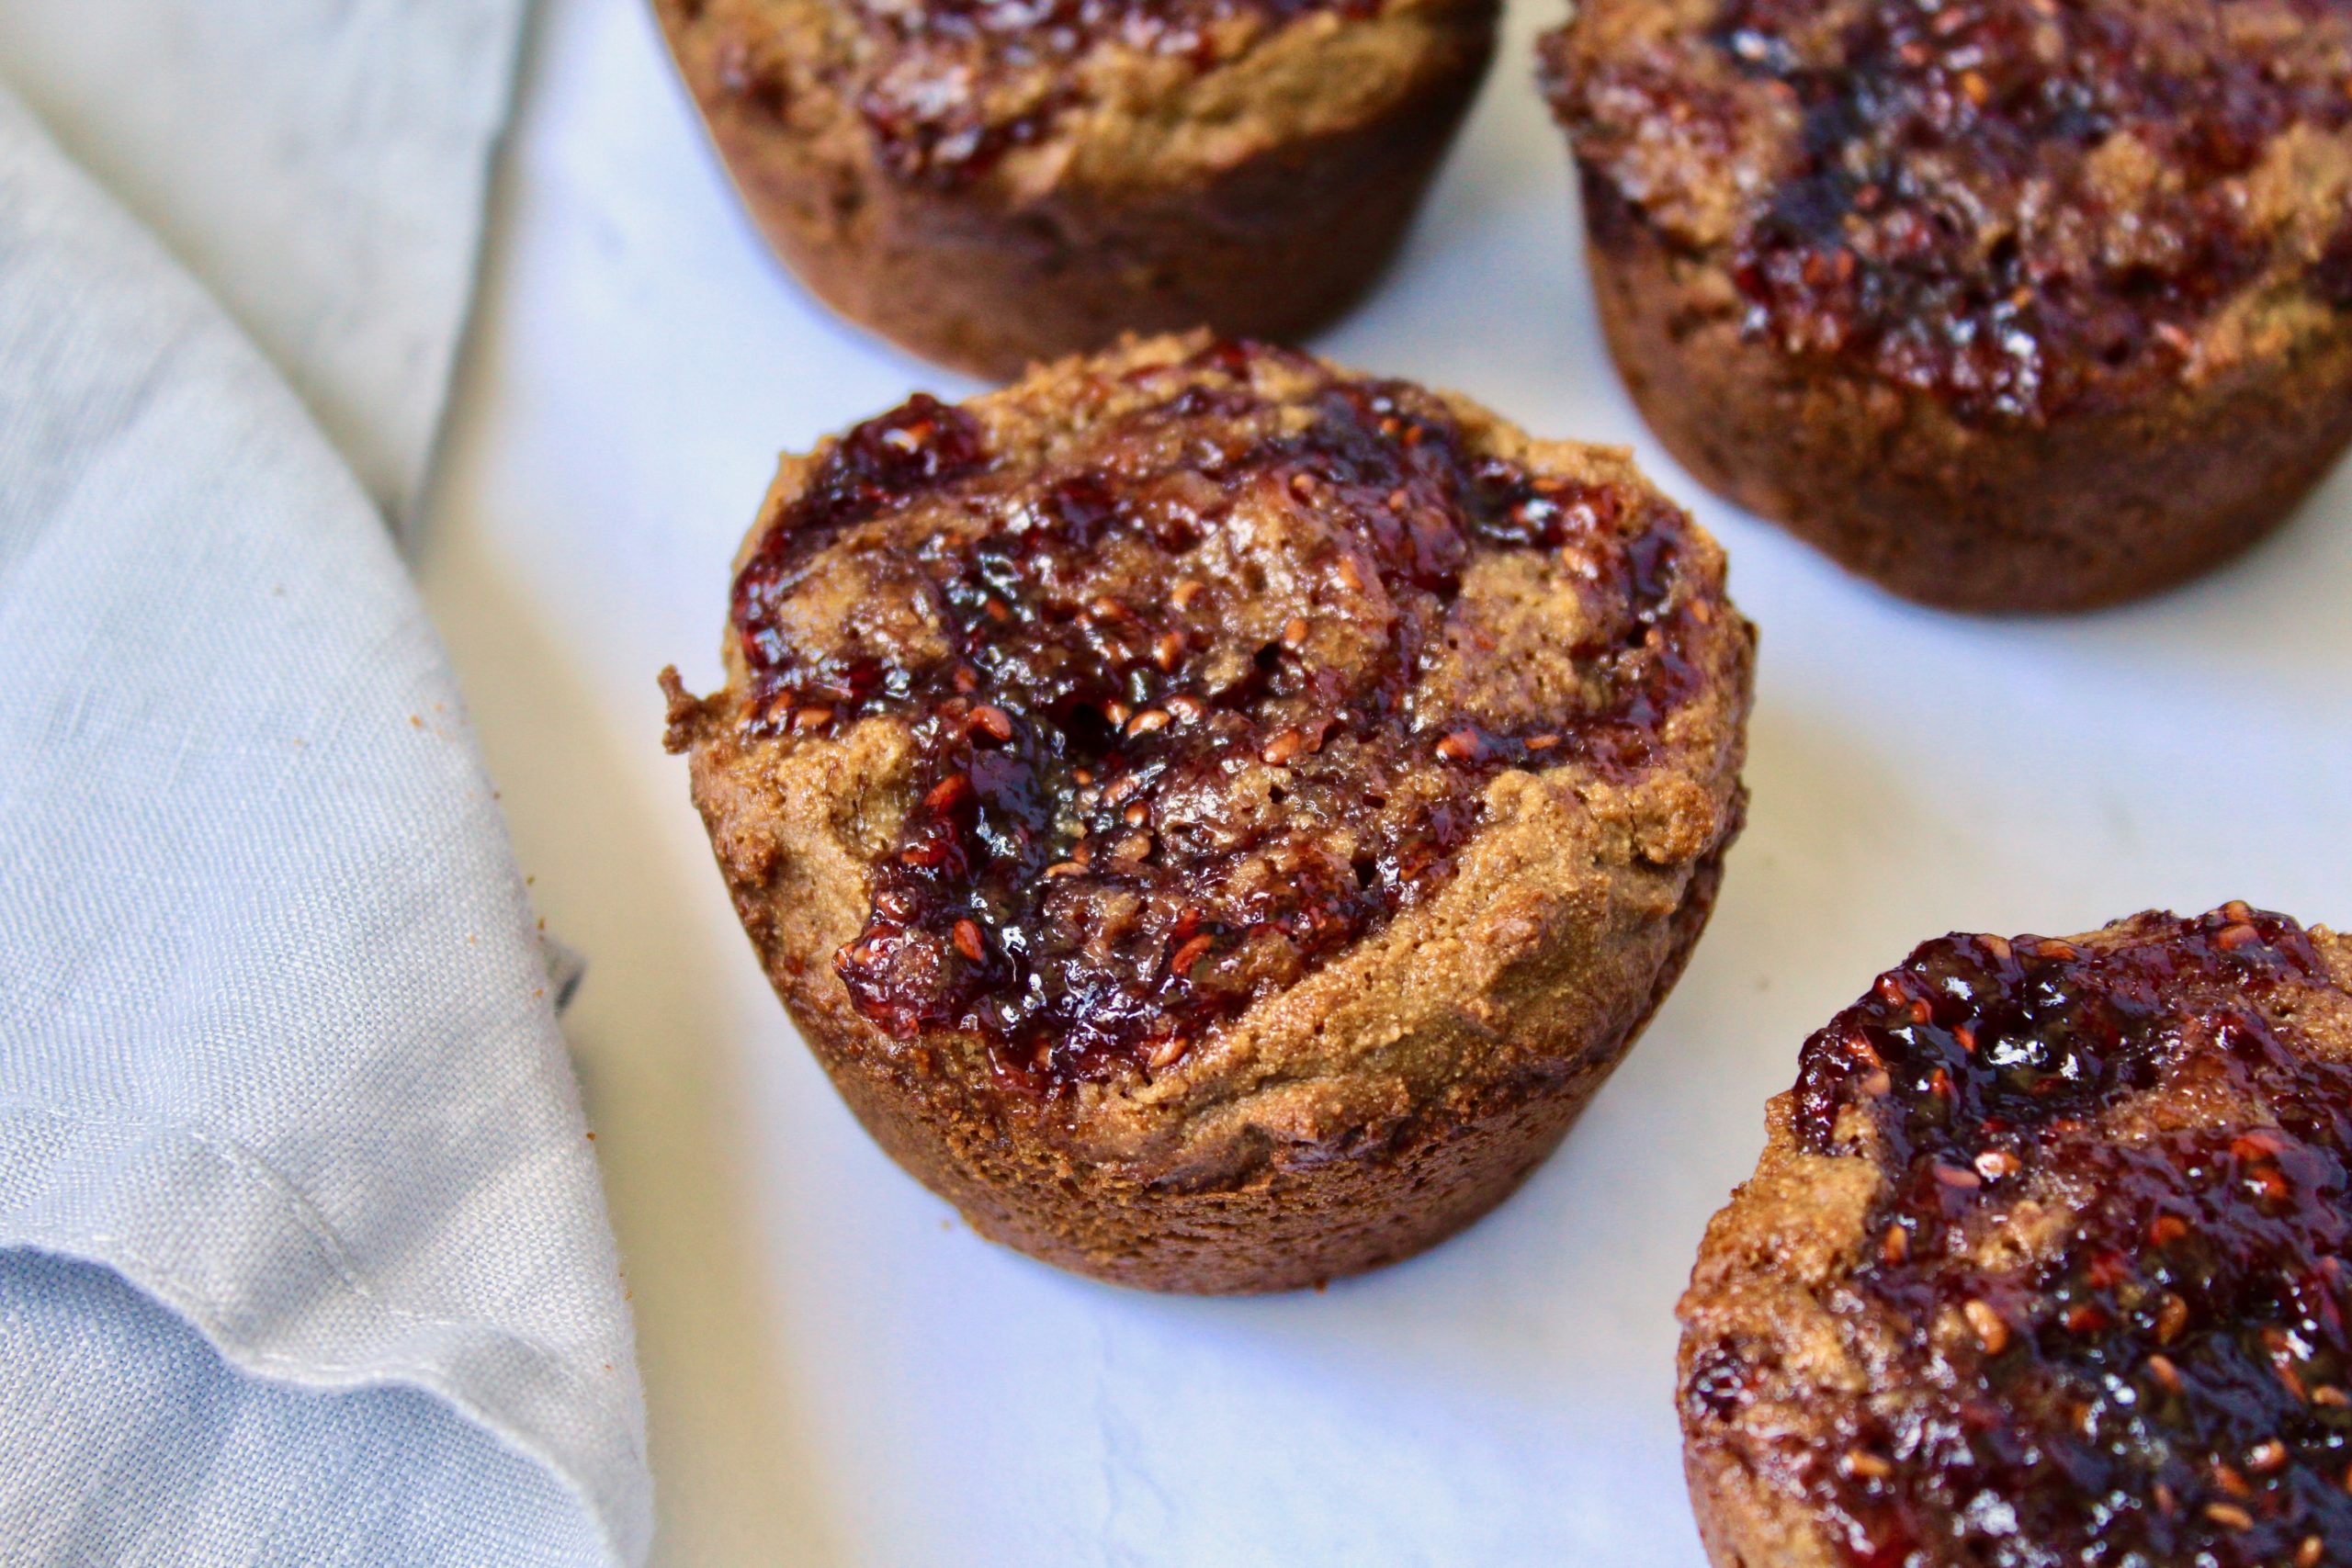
column 1170, row 677
column 2014, row 205
column 945, row 95
column 2047, row 1263
column 954, row 85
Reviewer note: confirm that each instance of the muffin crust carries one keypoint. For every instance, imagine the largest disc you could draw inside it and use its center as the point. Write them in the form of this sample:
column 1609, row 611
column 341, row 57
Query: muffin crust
column 990, row 185
column 2008, row 304
column 1217, row 817
column 2044, row 1263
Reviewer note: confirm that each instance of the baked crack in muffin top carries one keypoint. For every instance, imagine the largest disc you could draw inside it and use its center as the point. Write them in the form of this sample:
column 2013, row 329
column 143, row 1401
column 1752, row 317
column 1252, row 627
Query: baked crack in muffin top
column 1202, row 668
column 2016, row 206
column 2076, row 1282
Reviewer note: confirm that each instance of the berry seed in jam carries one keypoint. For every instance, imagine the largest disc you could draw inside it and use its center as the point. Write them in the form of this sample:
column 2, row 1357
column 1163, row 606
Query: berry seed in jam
column 1186, row 696
column 2171, row 1382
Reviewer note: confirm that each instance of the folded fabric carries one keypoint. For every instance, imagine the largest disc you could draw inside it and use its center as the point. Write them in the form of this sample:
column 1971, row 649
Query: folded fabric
column 318, row 164
column 302, row 1255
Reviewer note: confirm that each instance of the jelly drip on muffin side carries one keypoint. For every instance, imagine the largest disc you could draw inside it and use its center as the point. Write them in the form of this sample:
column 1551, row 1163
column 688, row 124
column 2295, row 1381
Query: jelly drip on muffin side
column 2173, row 1384
column 1125, row 828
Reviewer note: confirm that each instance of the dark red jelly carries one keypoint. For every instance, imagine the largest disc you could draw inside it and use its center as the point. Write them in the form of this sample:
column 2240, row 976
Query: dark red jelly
column 2173, row 1383
column 1966, row 214
column 963, row 82
column 1189, row 697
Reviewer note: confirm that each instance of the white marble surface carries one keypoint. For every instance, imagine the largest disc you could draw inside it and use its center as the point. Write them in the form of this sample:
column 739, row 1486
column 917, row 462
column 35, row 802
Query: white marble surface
column 840, row 1373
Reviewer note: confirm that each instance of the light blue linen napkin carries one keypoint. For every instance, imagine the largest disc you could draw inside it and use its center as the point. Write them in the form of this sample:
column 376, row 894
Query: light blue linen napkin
column 318, row 165
column 302, row 1254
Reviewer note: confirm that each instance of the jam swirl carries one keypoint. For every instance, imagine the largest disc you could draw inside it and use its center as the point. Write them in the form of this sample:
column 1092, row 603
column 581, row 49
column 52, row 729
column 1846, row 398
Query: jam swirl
column 2172, row 1381
column 1178, row 691
column 2015, row 205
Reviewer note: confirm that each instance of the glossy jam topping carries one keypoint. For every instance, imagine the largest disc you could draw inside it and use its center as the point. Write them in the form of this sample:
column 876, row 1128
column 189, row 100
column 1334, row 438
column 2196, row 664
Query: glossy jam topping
column 2170, row 1382
column 963, row 82
column 2012, row 204
column 1202, row 694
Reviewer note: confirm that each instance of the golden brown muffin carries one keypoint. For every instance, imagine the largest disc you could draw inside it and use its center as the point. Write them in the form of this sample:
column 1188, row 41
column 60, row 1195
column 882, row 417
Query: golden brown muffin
column 2008, row 305
column 989, row 184
column 1218, row 817
column 2045, row 1263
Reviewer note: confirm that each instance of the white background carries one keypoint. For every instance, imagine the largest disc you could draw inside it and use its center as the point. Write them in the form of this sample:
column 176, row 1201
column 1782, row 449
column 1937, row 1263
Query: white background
column 841, row 1373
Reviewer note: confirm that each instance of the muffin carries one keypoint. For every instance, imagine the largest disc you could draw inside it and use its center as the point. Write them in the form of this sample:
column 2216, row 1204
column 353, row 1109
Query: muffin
column 988, row 185
column 1218, row 817
column 2008, row 305
column 2045, row 1263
